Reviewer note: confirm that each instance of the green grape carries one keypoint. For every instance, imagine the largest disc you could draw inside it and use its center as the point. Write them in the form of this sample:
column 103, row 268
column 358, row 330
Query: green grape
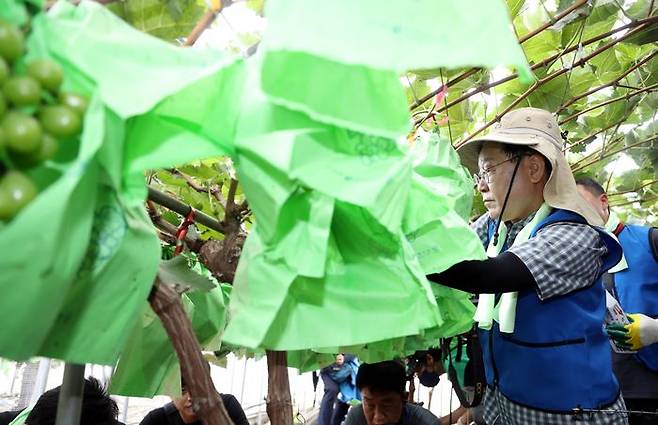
column 12, row 42
column 46, row 72
column 60, row 121
column 16, row 191
column 22, row 133
column 22, row 91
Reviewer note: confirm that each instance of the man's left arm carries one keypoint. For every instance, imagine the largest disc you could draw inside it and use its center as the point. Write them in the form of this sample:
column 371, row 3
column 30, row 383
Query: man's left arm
column 504, row 273
column 562, row 258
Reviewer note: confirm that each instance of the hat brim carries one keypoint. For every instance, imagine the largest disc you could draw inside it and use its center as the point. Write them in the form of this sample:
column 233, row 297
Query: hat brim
column 469, row 151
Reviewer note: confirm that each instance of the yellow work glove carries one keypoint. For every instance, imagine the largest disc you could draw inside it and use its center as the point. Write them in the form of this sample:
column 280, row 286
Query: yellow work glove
column 642, row 331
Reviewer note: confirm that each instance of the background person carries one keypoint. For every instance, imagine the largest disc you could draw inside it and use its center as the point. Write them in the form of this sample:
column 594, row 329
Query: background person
column 340, row 390
column 179, row 411
column 634, row 282
column 382, row 387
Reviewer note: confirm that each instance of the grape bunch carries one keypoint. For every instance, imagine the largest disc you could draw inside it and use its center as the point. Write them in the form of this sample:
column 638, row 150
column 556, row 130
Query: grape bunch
column 35, row 118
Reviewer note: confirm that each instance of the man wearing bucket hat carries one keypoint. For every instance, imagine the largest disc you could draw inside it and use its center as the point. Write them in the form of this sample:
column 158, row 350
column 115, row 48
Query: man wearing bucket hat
column 542, row 304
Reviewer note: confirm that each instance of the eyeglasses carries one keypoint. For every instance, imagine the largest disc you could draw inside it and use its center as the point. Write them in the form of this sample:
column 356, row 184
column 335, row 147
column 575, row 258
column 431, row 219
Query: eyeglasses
column 486, row 174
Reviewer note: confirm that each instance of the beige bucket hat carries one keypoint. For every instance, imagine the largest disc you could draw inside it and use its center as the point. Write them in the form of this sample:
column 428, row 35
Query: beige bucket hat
column 537, row 129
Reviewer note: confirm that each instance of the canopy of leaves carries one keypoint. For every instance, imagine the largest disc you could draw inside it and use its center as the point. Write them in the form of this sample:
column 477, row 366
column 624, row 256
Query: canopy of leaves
column 204, row 185
column 166, row 19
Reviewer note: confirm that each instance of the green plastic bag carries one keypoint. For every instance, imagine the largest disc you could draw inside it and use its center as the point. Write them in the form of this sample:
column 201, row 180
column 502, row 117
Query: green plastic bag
column 346, row 230
column 352, row 96
column 328, row 263
column 338, row 61
column 391, row 36
column 350, row 221
column 77, row 287
column 148, row 365
column 438, row 208
column 178, row 102
column 321, row 237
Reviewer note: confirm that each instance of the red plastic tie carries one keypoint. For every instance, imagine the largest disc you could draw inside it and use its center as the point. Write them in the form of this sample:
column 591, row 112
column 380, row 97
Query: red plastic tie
column 181, row 233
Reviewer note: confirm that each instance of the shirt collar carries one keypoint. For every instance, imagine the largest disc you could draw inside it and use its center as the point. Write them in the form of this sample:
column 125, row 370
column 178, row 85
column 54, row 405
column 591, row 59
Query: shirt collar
column 513, row 229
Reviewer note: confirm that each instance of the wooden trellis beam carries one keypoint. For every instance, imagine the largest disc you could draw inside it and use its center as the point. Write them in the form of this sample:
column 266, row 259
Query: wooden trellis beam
column 641, row 201
column 591, row 136
column 636, row 189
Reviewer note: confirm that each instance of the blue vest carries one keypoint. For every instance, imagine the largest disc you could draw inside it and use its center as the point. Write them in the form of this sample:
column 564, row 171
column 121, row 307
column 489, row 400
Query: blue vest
column 558, row 357
column 637, row 287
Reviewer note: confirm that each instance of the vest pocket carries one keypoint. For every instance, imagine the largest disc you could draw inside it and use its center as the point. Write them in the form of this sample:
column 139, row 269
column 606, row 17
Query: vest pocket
column 573, row 341
column 555, row 375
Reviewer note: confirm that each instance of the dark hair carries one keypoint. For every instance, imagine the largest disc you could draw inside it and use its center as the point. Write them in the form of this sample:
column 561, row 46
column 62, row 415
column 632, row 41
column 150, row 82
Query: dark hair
column 97, row 406
column 382, row 376
column 520, row 151
column 591, row 185
column 516, row 150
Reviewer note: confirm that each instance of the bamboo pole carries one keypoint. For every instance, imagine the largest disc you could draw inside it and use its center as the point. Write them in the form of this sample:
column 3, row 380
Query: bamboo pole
column 69, row 402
